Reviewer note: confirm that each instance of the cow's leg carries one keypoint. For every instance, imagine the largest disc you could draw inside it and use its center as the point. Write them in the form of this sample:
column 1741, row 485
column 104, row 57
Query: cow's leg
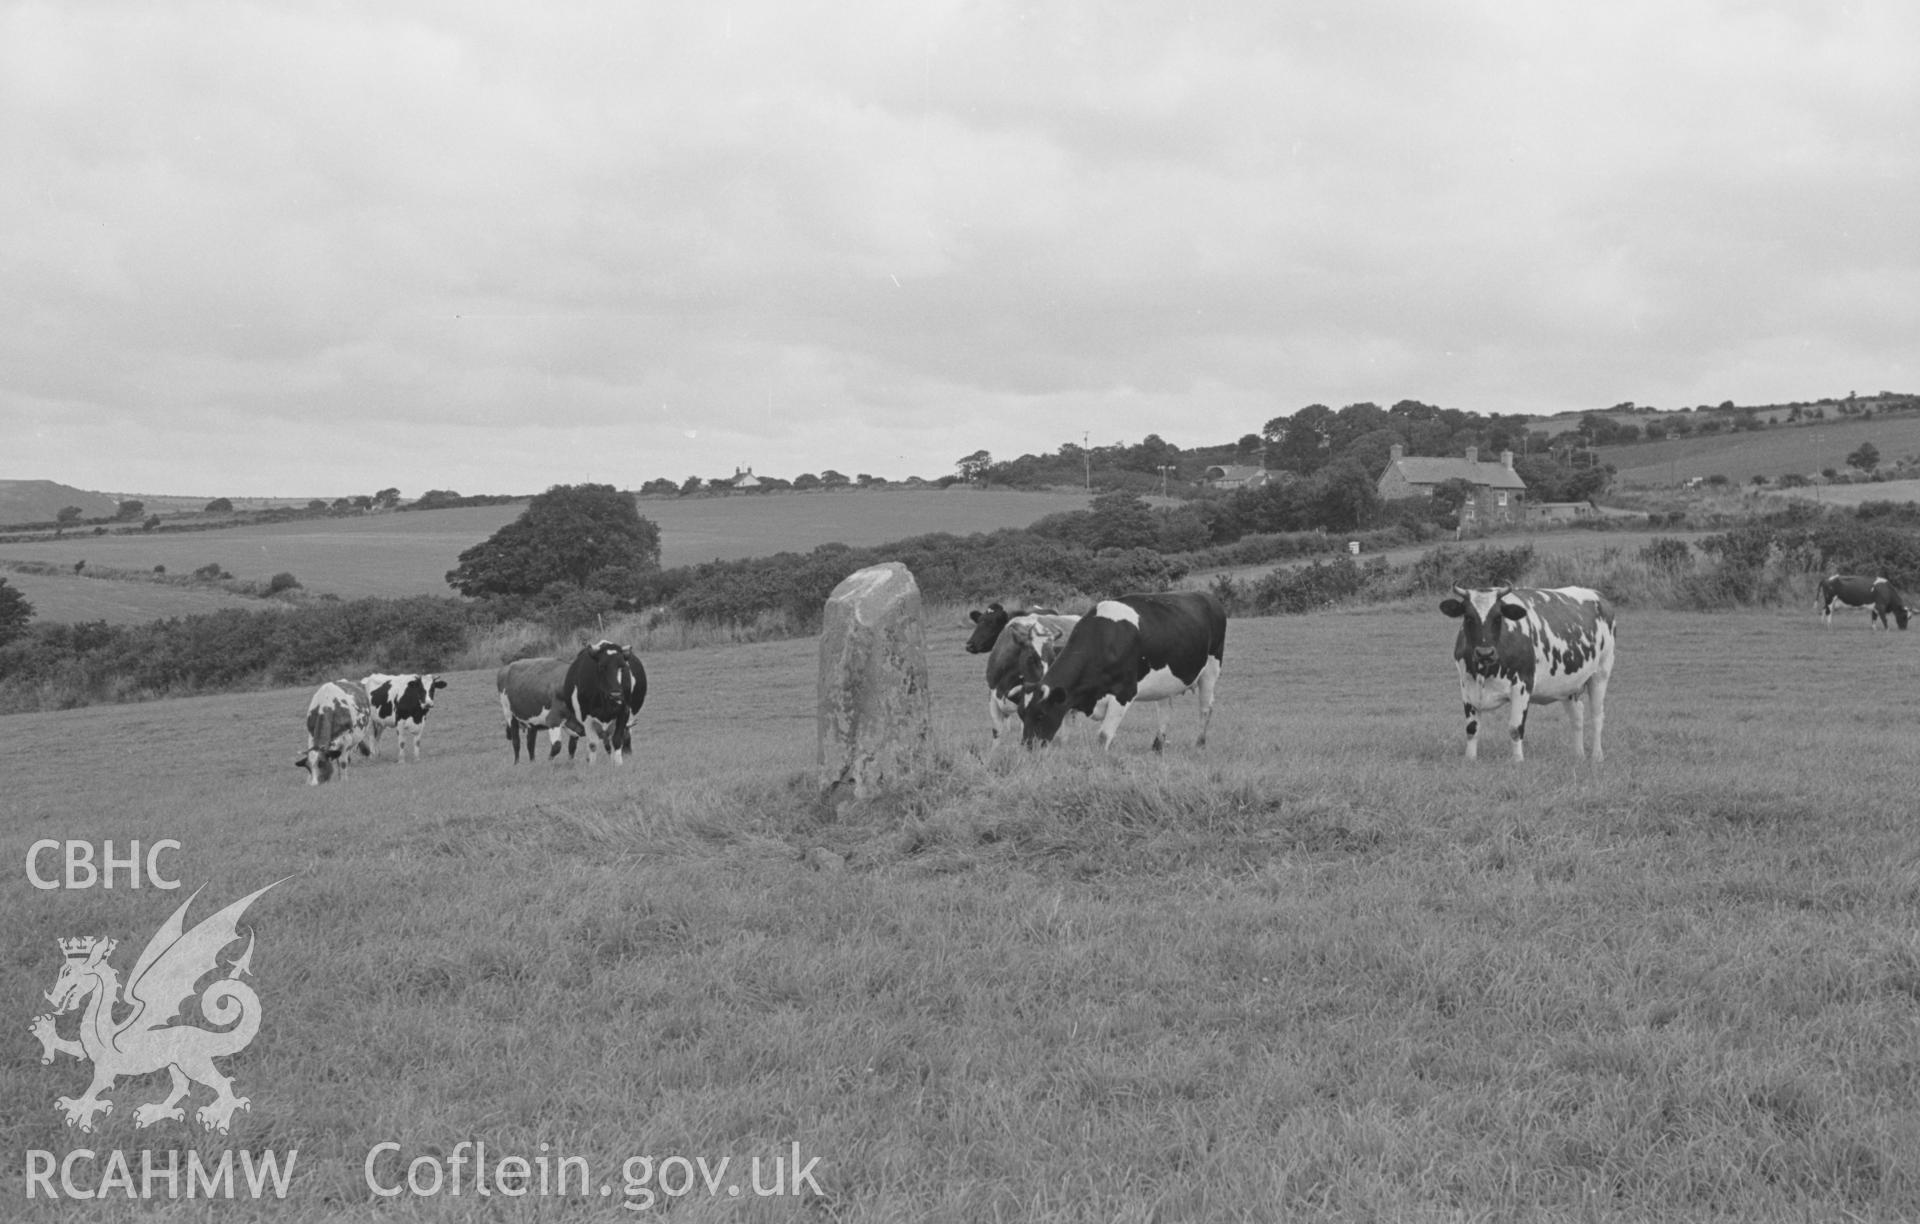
column 1517, row 722
column 513, row 737
column 1166, row 714
column 1110, row 725
column 997, row 712
column 1473, row 730
column 1209, row 676
column 1597, row 693
column 1826, row 612
column 1577, row 715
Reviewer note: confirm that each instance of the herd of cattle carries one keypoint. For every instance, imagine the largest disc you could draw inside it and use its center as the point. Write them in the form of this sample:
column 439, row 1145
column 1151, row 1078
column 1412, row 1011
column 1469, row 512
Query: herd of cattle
column 1516, row 647
column 593, row 696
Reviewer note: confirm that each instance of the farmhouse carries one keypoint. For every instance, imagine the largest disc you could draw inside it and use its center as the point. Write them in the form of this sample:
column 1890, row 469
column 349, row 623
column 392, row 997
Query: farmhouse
column 1237, row 476
column 1498, row 492
column 743, row 478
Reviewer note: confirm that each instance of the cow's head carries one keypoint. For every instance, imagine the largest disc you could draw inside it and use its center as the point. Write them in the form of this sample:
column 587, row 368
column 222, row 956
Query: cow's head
column 609, row 673
column 320, row 764
column 986, row 628
column 1898, row 607
column 424, row 687
column 1483, row 617
column 1042, row 709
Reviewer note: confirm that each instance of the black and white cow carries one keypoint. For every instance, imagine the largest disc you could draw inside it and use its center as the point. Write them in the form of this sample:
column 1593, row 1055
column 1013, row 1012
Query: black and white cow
column 1135, row 648
column 530, row 701
column 989, row 621
column 401, row 702
column 1520, row 645
column 604, row 686
column 338, row 718
column 1019, row 647
column 1877, row 595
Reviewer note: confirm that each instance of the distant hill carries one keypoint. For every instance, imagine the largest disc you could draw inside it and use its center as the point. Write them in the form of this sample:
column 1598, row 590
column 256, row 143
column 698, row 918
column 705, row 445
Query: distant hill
column 38, row 501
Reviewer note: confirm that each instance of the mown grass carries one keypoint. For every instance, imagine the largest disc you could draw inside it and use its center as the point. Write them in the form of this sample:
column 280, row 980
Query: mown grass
column 1323, row 969
column 410, row 554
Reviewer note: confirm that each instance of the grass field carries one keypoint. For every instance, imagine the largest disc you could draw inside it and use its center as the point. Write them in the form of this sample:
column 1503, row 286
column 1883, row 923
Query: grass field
column 1322, row 969
column 71, row 598
column 1853, row 495
column 410, row 554
column 1767, row 452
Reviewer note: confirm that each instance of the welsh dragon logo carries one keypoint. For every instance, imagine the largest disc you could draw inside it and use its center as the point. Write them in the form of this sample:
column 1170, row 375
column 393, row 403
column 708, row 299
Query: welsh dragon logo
column 143, row 1041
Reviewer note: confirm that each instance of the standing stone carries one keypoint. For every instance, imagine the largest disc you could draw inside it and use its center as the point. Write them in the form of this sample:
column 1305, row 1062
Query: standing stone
column 876, row 713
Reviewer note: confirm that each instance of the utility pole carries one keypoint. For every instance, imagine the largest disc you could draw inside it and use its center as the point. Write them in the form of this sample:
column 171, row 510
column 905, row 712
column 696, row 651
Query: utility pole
column 1164, row 469
column 1086, row 456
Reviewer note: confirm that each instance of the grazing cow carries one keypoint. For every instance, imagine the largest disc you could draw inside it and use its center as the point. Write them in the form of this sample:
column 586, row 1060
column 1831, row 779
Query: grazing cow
column 530, row 700
column 338, row 720
column 1522, row 645
column 401, row 702
column 1135, row 648
column 987, row 625
column 636, row 697
column 1877, row 595
column 1019, row 647
column 603, row 687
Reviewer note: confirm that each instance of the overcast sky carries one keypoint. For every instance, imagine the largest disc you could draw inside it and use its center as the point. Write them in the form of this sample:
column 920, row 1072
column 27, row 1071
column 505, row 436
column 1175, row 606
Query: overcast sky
column 313, row 248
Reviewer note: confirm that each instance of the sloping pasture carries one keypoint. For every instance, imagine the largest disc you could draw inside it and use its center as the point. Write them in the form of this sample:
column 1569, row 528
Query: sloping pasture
column 72, row 598
column 1323, row 968
column 1774, row 452
column 410, row 553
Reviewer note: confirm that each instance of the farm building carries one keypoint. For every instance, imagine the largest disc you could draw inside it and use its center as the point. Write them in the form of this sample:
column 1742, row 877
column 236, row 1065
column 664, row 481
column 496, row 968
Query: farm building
column 743, row 478
column 1499, row 495
column 1237, row 476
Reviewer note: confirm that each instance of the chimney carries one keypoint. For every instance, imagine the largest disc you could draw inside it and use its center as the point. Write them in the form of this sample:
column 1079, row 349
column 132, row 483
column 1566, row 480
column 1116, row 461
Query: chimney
column 1506, row 460
column 1396, row 453
column 1473, row 454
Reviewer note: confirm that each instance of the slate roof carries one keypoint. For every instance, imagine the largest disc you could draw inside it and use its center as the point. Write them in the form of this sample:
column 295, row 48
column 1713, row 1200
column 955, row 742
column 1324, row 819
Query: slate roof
column 1432, row 469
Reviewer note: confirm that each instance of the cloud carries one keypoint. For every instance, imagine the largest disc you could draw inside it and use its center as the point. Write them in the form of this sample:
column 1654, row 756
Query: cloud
column 244, row 243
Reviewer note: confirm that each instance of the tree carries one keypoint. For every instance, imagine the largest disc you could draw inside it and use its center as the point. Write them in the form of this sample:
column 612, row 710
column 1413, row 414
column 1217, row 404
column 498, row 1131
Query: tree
column 387, row 499
column 973, row 468
column 691, row 485
column 317, row 503
column 1449, row 496
column 68, row 516
column 1305, row 443
column 806, row 480
column 220, row 505
column 1342, row 497
column 1122, row 520
column 660, row 485
column 150, row 522
column 129, row 510
column 563, row 536
column 15, row 612
column 1866, row 458
column 1248, row 446
column 833, row 479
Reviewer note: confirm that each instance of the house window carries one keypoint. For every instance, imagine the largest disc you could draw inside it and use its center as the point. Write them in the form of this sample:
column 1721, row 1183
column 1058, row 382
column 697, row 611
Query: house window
column 1502, row 499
